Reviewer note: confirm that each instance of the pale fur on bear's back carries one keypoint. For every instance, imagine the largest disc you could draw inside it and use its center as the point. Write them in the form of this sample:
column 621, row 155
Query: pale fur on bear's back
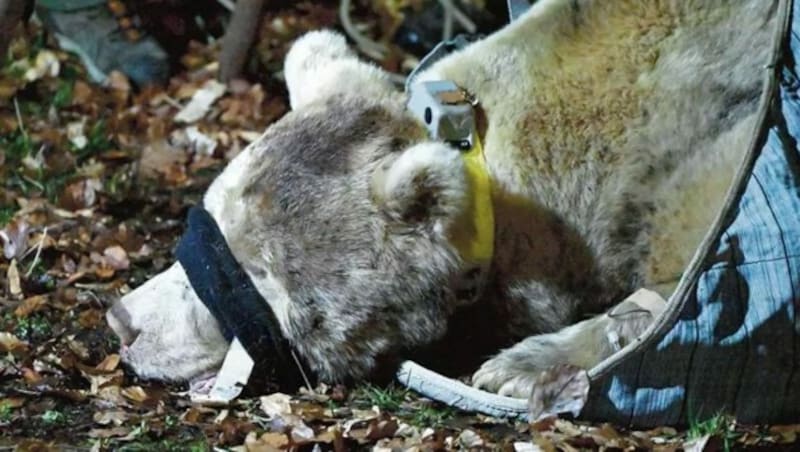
column 624, row 117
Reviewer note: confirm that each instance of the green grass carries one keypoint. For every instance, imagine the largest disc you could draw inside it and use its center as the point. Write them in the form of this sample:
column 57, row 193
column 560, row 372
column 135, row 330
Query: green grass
column 63, row 96
column 33, row 327
column 53, row 417
column 17, row 146
column 388, row 398
column 431, row 416
column 146, row 442
column 166, row 445
column 6, row 214
column 5, row 411
column 395, row 399
column 98, row 141
column 718, row 425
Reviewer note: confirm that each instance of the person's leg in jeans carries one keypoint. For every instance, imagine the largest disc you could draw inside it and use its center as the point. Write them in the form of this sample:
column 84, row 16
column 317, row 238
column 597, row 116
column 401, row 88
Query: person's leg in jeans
column 105, row 39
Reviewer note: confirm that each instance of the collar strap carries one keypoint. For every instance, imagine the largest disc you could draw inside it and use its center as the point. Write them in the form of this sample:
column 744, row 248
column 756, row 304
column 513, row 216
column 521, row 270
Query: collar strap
column 227, row 291
column 441, row 50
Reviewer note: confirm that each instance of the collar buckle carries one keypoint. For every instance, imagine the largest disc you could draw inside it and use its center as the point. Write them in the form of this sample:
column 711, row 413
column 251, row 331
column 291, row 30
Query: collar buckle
column 446, row 110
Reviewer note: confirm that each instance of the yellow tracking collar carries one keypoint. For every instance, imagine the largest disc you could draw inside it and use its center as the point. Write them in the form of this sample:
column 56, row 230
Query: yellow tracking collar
column 448, row 112
column 473, row 234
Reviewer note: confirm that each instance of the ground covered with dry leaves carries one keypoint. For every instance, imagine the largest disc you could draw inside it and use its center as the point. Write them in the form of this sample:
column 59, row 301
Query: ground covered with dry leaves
column 95, row 185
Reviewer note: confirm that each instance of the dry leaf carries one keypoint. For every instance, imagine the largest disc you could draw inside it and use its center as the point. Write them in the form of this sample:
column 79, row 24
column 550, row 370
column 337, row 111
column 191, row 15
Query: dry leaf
column 12, row 402
column 78, row 347
column 201, row 102
column 11, row 343
column 267, row 442
column 697, row 444
column 109, row 432
column 561, row 389
column 381, row 428
column 90, row 318
column 30, row 305
column 786, row 433
column 45, row 64
column 135, row 393
column 81, row 93
column 35, row 445
column 191, row 415
column 12, row 275
column 80, row 195
column 117, row 417
column 76, row 134
column 276, row 404
column 111, row 394
column 161, row 158
column 469, row 439
column 527, row 447
column 100, row 380
column 301, row 433
column 568, row 428
column 120, row 86
column 15, row 239
column 116, row 257
column 109, row 364
column 31, row 376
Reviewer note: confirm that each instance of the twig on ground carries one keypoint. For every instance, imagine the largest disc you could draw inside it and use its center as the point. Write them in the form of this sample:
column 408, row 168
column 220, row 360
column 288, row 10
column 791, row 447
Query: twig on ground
column 19, row 119
column 38, row 253
column 302, row 372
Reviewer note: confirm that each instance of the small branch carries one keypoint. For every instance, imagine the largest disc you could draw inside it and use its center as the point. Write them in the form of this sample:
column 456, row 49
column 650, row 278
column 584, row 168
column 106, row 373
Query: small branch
column 38, row 253
column 302, row 372
column 228, row 4
column 369, row 47
column 239, row 38
column 19, row 119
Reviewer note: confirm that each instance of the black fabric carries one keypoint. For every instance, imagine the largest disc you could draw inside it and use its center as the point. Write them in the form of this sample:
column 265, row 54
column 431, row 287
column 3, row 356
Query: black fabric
column 227, row 291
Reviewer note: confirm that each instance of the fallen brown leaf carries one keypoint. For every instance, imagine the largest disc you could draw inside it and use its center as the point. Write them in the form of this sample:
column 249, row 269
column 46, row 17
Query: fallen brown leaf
column 117, row 417
column 10, row 343
column 91, row 318
column 381, row 428
column 12, row 402
column 15, row 238
column 35, row 445
column 276, row 404
column 135, row 393
column 105, row 433
column 12, row 275
column 31, row 376
column 30, row 305
column 109, row 363
column 561, row 389
column 116, row 257
column 267, row 442
column 786, row 433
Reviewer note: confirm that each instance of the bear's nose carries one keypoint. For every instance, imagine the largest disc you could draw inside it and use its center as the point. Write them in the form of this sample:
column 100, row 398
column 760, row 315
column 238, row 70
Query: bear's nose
column 119, row 320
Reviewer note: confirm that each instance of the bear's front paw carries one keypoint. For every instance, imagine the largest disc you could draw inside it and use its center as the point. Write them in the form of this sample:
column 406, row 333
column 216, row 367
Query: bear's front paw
column 504, row 377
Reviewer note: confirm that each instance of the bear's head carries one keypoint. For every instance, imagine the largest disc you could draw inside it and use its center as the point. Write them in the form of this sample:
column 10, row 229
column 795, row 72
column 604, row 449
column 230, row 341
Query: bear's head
column 342, row 214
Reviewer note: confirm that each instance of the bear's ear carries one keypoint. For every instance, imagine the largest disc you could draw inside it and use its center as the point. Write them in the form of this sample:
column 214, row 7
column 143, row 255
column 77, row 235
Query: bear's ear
column 320, row 64
column 426, row 183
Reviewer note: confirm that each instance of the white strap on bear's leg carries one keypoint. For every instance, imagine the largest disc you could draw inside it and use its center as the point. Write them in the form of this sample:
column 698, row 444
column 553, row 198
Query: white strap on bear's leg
column 454, row 393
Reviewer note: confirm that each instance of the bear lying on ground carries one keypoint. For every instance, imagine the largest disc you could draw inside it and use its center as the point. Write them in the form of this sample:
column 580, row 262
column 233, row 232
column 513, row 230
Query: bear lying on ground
column 611, row 129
